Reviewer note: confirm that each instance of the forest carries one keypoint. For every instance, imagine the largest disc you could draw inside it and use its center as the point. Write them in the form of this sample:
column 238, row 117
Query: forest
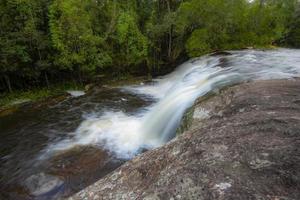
column 43, row 42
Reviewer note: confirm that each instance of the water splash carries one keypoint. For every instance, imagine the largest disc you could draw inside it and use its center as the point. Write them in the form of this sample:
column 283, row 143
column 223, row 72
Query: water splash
column 114, row 131
column 76, row 93
column 125, row 135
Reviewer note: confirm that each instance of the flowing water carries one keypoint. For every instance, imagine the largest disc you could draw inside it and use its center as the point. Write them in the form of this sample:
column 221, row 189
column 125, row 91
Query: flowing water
column 58, row 150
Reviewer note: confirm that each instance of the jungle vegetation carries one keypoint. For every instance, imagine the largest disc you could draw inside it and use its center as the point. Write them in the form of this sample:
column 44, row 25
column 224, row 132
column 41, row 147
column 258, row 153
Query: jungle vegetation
column 43, row 42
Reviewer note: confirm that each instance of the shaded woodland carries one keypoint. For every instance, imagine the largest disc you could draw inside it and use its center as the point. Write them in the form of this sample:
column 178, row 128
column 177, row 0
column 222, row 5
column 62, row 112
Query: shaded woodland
column 48, row 41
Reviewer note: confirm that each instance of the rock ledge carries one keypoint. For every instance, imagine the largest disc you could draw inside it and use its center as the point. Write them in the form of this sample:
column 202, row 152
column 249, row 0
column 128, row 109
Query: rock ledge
column 242, row 144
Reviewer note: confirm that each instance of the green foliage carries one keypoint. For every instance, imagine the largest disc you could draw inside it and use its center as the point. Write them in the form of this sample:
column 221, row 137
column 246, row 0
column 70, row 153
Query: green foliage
column 20, row 96
column 198, row 43
column 293, row 35
column 219, row 24
column 72, row 36
column 42, row 39
column 133, row 44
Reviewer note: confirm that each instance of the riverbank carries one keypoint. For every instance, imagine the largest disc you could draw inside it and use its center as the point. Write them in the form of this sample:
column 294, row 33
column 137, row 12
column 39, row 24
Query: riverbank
column 19, row 97
column 22, row 96
column 243, row 143
column 9, row 102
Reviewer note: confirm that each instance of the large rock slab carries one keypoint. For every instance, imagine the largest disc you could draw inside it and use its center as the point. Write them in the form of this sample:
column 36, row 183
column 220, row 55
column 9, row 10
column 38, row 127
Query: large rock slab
column 243, row 143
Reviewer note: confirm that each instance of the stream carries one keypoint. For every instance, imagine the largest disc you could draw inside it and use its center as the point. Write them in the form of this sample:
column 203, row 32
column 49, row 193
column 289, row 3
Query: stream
column 57, row 150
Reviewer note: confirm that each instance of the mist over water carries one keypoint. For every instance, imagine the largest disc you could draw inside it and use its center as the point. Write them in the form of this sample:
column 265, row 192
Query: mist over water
column 125, row 135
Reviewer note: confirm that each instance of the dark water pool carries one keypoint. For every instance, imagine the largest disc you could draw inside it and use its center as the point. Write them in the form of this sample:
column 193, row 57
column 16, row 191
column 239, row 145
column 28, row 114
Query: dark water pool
column 26, row 134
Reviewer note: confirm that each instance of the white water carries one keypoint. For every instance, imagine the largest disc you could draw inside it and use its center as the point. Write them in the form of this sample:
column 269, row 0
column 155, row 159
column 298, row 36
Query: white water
column 126, row 135
column 76, row 93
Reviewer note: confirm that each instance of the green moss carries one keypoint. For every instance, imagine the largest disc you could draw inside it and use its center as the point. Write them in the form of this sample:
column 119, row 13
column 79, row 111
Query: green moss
column 8, row 100
column 186, row 121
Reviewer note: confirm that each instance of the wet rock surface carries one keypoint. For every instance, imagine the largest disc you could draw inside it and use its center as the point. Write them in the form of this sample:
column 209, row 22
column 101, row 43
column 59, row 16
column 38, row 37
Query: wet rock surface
column 28, row 170
column 81, row 166
column 243, row 143
column 41, row 183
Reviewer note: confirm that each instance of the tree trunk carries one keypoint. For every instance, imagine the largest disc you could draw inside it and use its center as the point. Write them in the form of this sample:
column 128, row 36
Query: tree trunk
column 112, row 21
column 170, row 32
column 261, row 3
column 7, row 80
column 80, row 77
column 47, row 80
column 170, row 43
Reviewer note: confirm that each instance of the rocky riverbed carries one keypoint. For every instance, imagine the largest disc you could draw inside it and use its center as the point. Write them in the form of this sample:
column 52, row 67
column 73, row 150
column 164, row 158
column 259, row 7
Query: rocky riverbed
column 242, row 143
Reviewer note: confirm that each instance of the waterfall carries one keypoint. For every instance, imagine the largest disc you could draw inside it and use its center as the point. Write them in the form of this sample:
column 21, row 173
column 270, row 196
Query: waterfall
column 125, row 135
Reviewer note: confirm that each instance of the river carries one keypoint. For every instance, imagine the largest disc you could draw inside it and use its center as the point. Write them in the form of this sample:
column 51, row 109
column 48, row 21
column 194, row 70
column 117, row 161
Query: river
column 58, row 149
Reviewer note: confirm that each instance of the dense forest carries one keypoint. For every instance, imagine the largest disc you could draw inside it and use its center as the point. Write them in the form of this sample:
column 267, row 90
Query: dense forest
column 46, row 41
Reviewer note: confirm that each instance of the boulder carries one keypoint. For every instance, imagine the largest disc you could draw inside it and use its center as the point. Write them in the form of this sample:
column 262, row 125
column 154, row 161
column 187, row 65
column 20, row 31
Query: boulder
column 41, row 184
column 243, row 143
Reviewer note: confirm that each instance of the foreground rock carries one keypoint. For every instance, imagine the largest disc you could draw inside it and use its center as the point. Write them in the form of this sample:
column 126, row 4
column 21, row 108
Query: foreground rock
column 243, row 144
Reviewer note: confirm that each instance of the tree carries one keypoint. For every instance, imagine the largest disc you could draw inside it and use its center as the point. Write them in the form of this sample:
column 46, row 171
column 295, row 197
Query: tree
column 23, row 39
column 114, row 37
column 72, row 36
column 293, row 35
column 133, row 45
